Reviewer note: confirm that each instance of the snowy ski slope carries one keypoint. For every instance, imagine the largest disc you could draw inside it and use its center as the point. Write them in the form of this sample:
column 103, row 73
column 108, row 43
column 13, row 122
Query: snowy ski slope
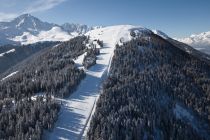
column 76, row 111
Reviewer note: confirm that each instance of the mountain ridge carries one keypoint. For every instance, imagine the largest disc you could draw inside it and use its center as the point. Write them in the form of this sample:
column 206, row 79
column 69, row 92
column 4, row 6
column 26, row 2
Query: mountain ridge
column 146, row 72
column 200, row 41
column 27, row 29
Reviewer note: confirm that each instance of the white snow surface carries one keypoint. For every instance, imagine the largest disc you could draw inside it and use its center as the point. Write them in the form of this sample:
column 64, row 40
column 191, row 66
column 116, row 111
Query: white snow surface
column 200, row 42
column 79, row 61
column 55, row 34
column 10, row 75
column 10, row 51
column 76, row 111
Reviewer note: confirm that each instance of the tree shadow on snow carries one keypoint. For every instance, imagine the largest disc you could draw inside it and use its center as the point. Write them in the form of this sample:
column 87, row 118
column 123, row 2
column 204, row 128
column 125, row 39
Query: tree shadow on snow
column 71, row 120
column 97, row 68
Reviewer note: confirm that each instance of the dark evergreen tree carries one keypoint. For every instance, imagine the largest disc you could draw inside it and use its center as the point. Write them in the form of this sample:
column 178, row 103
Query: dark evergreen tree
column 27, row 104
column 155, row 91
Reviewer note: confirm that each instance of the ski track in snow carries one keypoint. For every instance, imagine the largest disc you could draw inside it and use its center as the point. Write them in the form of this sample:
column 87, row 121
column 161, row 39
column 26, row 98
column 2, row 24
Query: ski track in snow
column 8, row 76
column 77, row 110
column 10, row 51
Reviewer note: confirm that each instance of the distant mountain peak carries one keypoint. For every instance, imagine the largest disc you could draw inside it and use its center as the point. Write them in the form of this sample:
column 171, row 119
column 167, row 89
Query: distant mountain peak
column 25, row 15
column 200, row 41
column 26, row 29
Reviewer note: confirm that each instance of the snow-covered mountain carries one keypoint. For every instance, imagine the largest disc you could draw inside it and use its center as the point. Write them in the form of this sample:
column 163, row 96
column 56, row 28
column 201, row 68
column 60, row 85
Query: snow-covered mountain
column 197, row 45
column 200, row 42
column 77, row 110
column 75, row 127
column 27, row 29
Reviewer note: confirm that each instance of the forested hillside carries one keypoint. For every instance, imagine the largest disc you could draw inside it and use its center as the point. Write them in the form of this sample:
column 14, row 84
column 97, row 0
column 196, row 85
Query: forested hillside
column 19, row 53
column 154, row 91
column 27, row 99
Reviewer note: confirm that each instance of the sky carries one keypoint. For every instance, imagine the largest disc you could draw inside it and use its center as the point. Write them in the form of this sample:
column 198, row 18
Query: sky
column 177, row 18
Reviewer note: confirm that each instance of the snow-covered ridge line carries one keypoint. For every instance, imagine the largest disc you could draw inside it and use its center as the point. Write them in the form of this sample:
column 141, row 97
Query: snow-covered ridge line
column 161, row 34
column 7, row 52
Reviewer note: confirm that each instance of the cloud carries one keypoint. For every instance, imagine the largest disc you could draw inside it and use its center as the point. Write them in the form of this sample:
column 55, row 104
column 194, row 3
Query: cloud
column 7, row 4
column 42, row 5
column 7, row 16
column 32, row 7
